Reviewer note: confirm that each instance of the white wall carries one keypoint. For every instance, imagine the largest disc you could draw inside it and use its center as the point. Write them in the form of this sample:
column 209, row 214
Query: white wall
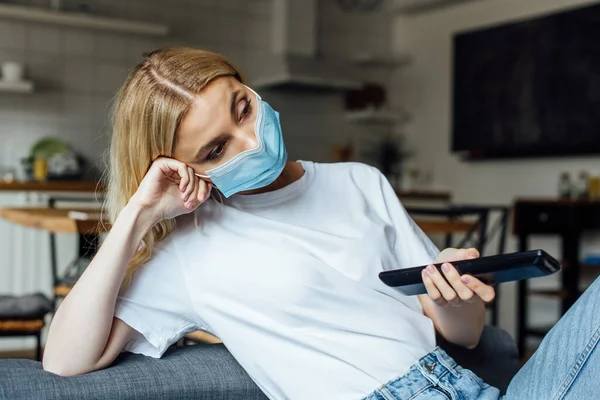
column 424, row 89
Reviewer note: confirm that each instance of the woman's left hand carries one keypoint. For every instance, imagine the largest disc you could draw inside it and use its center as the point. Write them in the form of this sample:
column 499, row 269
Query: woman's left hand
column 455, row 290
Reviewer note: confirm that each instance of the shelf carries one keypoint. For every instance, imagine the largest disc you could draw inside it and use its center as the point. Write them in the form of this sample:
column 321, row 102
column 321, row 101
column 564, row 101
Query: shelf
column 413, row 7
column 370, row 116
column 554, row 293
column 81, row 20
column 424, row 194
column 16, row 87
column 370, row 60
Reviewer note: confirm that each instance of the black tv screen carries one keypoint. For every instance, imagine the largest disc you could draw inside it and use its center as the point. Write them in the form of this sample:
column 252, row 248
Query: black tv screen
column 530, row 88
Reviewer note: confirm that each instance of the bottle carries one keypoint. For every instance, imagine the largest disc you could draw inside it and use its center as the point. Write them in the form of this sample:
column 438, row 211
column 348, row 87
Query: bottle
column 594, row 186
column 564, row 186
column 40, row 169
column 581, row 186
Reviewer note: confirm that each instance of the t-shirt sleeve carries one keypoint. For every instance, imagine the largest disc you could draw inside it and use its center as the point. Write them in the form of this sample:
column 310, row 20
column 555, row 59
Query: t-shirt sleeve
column 412, row 246
column 157, row 304
column 409, row 244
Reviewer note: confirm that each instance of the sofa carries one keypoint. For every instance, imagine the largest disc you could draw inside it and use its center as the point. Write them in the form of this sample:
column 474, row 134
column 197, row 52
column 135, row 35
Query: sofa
column 209, row 372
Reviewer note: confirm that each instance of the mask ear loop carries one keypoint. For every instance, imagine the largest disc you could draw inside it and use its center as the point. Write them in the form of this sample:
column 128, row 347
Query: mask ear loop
column 252, row 90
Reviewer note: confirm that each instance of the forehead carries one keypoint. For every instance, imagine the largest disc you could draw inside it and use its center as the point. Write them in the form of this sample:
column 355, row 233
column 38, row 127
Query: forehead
column 214, row 96
column 206, row 109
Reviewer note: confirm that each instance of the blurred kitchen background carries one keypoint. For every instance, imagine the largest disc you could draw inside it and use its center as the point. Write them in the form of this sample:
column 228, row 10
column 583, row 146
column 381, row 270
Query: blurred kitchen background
column 376, row 81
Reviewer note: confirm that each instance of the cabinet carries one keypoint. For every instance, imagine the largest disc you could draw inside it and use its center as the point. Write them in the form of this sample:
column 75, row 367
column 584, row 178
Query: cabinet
column 568, row 219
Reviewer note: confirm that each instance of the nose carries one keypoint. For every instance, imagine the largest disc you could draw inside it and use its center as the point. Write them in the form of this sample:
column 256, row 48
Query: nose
column 248, row 137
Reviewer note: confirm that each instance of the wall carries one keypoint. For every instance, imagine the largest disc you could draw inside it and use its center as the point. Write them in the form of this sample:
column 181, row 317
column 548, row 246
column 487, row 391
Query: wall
column 424, row 89
column 77, row 71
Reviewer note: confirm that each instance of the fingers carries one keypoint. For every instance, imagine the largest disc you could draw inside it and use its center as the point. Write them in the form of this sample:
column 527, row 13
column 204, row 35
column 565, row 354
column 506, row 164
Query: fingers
column 432, row 290
column 468, row 254
column 188, row 190
column 204, row 191
column 448, row 254
column 451, row 254
column 191, row 197
column 447, row 292
column 194, row 191
column 485, row 292
column 453, row 277
column 174, row 170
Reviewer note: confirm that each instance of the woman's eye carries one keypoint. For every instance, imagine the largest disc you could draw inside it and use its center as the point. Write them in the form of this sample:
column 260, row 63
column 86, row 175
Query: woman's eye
column 216, row 153
column 245, row 110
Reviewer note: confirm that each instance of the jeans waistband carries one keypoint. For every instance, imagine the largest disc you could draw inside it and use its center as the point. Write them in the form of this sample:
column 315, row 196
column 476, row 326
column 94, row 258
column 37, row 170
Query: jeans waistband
column 426, row 372
column 435, row 364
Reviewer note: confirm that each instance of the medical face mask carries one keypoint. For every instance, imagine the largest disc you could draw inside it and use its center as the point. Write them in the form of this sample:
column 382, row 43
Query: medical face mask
column 257, row 167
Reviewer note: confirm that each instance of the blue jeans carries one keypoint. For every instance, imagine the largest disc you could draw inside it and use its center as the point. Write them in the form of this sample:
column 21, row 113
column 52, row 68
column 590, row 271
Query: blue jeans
column 565, row 366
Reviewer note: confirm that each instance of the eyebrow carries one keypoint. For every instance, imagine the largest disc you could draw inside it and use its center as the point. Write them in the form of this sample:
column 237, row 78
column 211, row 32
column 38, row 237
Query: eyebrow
column 222, row 136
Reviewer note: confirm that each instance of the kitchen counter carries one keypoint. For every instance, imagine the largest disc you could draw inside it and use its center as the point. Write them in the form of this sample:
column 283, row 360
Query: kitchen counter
column 52, row 186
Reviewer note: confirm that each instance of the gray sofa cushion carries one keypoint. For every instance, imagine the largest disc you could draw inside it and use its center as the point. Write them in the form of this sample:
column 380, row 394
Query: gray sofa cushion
column 207, row 372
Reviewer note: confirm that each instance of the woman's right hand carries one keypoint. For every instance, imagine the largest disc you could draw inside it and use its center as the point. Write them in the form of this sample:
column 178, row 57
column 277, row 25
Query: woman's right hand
column 170, row 189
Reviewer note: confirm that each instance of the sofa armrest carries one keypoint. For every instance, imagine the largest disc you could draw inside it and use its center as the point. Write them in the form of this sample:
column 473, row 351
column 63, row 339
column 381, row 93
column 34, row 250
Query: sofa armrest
column 209, row 372
column 206, row 372
column 495, row 359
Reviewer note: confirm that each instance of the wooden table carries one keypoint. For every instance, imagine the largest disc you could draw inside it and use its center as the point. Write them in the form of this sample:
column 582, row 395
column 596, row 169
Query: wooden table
column 57, row 220
column 53, row 186
column 54, row 220
column 444, row 226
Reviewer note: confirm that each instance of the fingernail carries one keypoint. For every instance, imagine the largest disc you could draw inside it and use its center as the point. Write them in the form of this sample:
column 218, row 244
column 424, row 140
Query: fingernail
column 446, row 267
column 424, row 273
column 189, row 205
column 202, row 197
column 431, row 269
column 465, row 279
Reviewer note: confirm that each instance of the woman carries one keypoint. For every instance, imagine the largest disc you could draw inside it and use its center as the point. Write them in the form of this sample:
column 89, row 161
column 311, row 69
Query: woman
column 284, row 268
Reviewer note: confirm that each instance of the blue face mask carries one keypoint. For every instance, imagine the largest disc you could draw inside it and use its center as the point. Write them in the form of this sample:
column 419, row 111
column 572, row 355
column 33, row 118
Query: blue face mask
column 257, row 167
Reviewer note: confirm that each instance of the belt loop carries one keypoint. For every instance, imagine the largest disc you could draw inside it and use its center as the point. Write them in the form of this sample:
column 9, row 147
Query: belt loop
column 387, row 395
column 441, row 356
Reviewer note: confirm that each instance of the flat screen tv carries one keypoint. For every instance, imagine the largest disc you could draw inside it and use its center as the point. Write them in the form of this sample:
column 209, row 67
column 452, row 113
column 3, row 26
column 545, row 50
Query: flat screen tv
column 528, row 89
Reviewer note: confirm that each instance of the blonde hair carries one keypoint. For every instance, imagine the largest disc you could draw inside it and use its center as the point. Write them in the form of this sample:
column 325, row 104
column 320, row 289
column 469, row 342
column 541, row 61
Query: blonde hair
column 146, row 115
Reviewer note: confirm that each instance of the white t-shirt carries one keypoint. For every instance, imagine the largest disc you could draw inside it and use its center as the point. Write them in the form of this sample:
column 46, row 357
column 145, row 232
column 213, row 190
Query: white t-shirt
column 288, row 281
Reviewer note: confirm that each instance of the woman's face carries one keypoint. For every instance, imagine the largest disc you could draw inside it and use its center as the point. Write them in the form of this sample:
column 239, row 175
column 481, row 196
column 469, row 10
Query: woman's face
column 218, row 126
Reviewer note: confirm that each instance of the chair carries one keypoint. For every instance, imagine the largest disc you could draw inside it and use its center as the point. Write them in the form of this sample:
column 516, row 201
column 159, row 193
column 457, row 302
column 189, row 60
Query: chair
column 472, row 222
column 87, row 248
column 24, row 316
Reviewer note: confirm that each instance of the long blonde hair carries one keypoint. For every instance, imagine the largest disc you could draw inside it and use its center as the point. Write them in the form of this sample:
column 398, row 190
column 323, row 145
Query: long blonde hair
column 146, row 115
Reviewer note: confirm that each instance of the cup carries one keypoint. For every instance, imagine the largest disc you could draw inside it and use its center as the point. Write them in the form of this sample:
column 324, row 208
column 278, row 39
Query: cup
column 12, row 71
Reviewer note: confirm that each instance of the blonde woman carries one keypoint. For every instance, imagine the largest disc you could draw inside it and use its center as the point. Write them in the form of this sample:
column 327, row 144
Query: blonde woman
column 283, row 265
